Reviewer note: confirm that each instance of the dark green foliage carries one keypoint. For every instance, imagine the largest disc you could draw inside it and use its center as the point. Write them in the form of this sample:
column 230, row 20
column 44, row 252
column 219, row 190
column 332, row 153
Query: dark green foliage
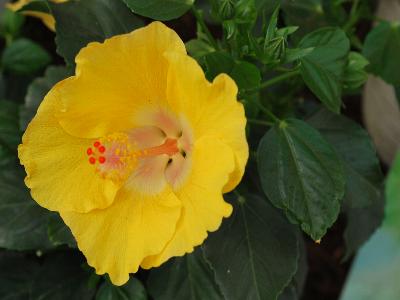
column 301, row 174
column 9, row 129
column 381, row 48
column 59, row 276
column 189, row 277
column 23, row 223
column 81, row 22
column 11, row 24
column 132, row 290
column 255, row 252
column 62, row 277
column 323, row 68
column 59, row 233
column 246, row 75
column 162, row 10
column 23, row 56
column 363, row 201
column 355, row 74
column 295, row 289
column 16, row 275
column 37, row 90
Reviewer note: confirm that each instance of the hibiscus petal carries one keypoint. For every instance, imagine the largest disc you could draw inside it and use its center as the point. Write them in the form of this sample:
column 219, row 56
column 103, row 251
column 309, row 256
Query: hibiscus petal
column 58, row 172
column 203, row 206
column 212, row 110
column 117, row 78
column 115, row 240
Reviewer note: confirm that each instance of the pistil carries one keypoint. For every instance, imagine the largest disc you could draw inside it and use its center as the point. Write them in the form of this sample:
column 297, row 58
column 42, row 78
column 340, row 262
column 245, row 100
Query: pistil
column 170, row 147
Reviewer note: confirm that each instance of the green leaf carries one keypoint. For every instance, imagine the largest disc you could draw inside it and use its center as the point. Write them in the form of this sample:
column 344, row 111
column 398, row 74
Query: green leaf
column 376, row 269
column 274, row 51
column 363, row 201
column 198, row 48
column 312, row 14
column 24, row 56
column 381, row 48
column 301, row 174
column 38, row 90
column 36, row 5
column 255, row 252
column 286, row 31
column 355, row 74
column 295, row 289
column 354, row 146
column 23, row 224
column 267, row 5
column 362, row 222
column 61, row 277
column 162, row 10
column 81, row 22
column 188, row 277
column 218, row 62
column 223, row 9
column 323, row 68
column 6, row 156
column 296, row 53
column 245, row 13
column 307, row 14
column 132, row 290
column 245, row 74
column 272, row 27
column 59, row 233
column 16, row 276
column 16, row 86
column 230, row 29
column 11, row 23
column 10, row 134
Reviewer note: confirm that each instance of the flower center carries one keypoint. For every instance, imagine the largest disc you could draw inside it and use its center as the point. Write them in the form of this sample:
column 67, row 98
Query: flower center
column 148, row 156
column 114, row 156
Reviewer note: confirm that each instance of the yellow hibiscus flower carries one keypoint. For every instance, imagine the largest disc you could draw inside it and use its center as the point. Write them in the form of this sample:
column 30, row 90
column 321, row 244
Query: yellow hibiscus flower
column 136, row 150
column 46, row 18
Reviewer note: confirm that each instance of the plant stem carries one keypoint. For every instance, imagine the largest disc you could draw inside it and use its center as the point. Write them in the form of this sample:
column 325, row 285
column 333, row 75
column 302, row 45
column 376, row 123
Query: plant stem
column 274, row 80
column 268, row 113
column 353, row 17
column 260, row 122
column 278, row 79
column 204, row 27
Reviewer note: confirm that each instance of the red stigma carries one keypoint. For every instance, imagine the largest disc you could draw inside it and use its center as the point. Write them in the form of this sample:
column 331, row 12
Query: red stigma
column 95, row 153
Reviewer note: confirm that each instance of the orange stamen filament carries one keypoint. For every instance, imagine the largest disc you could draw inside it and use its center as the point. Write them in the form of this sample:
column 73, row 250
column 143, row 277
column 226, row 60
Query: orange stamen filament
column 170, row 147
